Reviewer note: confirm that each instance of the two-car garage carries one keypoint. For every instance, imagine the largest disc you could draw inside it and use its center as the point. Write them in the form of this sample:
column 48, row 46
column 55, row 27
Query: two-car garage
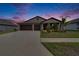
column 32, row 24
column 26, row 27
column 30, row 27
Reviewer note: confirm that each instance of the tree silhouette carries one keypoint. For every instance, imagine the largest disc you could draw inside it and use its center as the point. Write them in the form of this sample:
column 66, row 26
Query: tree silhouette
column 62, row 23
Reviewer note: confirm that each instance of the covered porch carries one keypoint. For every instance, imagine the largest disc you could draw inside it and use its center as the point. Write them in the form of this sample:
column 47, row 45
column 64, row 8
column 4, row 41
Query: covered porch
column 52, row 23
column 52, row 26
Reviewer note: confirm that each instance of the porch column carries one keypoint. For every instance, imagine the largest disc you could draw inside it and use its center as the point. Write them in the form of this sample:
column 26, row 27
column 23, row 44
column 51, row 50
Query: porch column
column 59, row 27
column 41, row 27
column 32, row 27
column 18, row 27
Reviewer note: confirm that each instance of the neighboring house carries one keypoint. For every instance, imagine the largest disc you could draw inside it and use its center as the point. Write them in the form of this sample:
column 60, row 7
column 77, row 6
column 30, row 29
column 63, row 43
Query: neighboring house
column 6, row 25
column 72, row 25
column 38, row 23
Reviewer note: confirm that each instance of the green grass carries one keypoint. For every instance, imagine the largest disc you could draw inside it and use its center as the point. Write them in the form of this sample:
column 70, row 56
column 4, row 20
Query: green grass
column 63, row 49
column 5, row 32
column 68, row 34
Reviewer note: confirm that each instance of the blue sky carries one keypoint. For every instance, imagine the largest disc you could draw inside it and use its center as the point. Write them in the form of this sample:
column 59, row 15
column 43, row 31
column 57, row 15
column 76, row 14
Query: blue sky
column 45, row 10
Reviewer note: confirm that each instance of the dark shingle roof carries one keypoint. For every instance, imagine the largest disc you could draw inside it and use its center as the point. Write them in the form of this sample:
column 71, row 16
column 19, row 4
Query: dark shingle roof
column 36, row 19
column 73, row 21
column 52, row 20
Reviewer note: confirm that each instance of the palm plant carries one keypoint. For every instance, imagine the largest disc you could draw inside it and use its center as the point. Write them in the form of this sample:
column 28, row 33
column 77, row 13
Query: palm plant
column 62, row 24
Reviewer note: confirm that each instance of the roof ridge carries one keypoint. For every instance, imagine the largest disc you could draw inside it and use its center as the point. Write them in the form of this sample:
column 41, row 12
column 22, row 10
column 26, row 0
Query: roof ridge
column 54, row 18
column 36, row 17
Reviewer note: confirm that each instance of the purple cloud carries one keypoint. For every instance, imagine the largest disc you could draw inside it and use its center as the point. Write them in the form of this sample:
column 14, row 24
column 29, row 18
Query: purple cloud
column 71, row 12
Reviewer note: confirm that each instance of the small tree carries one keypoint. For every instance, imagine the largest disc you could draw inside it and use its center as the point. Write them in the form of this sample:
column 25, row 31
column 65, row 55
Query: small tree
column 63, row 23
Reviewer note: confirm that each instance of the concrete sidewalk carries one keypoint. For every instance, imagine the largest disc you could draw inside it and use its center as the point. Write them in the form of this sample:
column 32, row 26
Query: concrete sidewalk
column 22, row 43
column 59, row 39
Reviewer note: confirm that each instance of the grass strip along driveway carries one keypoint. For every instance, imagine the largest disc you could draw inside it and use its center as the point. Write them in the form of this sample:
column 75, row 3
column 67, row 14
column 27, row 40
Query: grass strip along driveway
column 71, row 34
column 5, row 32
column 63, row 48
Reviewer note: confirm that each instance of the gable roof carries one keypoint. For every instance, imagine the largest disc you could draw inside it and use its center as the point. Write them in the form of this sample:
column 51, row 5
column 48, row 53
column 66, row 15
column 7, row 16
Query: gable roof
column 36, row 19
column 7, row 22
column 52, row 20
column 73, row 21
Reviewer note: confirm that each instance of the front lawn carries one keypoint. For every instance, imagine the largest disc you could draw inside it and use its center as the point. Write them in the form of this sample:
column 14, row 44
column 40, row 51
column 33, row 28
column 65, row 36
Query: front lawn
column 68, row 34
column 63, row 49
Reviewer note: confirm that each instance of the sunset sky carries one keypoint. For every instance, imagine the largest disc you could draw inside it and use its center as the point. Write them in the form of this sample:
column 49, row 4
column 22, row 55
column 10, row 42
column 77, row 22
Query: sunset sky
column 46, row 10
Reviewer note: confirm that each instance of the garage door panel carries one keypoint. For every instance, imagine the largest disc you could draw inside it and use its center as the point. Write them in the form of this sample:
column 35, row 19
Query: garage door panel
column 26, row 27
column 37, row 27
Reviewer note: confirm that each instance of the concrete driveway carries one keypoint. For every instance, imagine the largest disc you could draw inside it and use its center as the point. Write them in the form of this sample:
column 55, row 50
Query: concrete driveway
column 22, row 43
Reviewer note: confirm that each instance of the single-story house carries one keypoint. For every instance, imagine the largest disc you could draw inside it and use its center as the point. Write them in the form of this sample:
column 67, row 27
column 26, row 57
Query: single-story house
column 38, row 23
column 72, row 25
column 6, row 25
